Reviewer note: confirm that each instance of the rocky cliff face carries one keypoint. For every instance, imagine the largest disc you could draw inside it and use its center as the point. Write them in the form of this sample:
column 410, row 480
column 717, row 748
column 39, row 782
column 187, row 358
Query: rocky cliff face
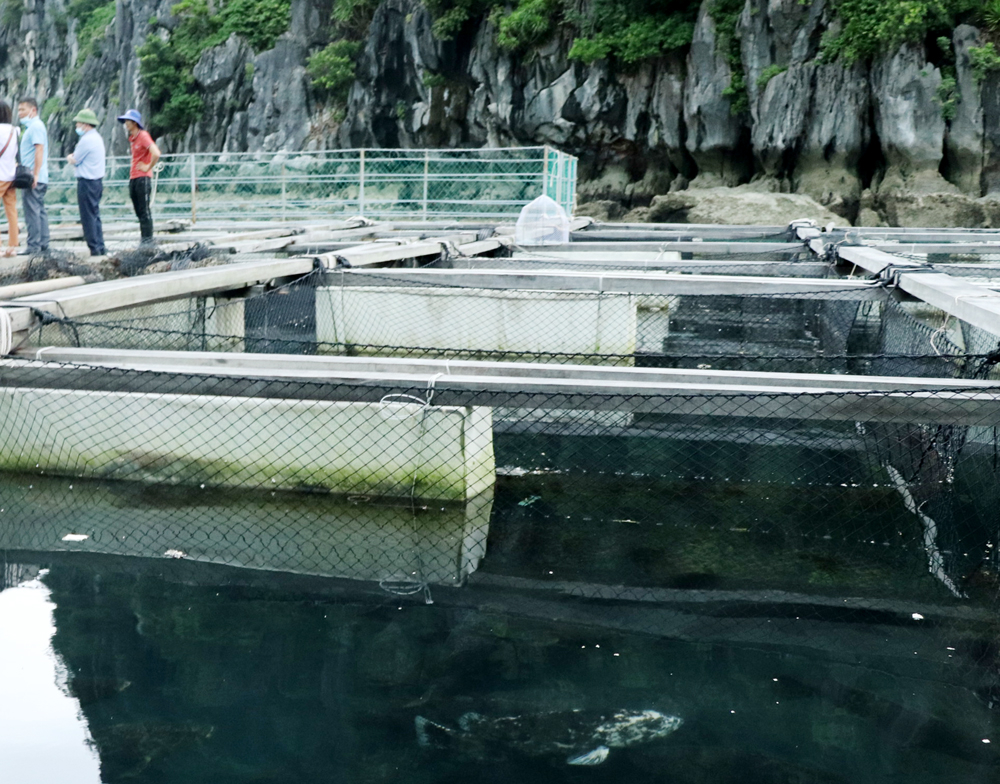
column 870, row 141
column 252, row 102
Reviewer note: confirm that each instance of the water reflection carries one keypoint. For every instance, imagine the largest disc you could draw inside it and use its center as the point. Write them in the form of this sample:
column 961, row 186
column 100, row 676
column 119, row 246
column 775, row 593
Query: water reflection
column 357, row 537
column 187, row 674
column 791, row 626
column 43, row 736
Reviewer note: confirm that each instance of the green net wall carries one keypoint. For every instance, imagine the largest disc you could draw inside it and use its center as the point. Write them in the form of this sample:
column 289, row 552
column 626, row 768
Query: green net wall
column 416, row 184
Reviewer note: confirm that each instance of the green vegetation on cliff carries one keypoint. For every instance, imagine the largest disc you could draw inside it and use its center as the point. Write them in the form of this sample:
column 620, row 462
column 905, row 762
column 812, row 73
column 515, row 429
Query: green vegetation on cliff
column 332, row 68
column 985, row 60
column 628, row 31
column 167, row 59
column 631, row 31
column 93, row 17
column 871, row 27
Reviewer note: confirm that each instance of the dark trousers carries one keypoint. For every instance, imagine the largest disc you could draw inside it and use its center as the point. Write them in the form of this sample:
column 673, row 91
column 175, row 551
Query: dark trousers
column 88, row 196
column 36, row 218
column 140, row 189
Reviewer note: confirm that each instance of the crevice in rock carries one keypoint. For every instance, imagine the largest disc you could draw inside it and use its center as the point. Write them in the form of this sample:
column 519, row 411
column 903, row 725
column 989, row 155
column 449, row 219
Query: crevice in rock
column 872, row 163
column 744, row 162
column 948, row 168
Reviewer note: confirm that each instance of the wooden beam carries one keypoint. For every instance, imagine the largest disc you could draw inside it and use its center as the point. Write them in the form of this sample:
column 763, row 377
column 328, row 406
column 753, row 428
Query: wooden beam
column 257, row 234
column 777, row 398
column 374, row 253
column 959, row 247
column 40, row 286
column 874, row 260
column 707, row 230
column 771, row 269
column 256, row 246
column 320, row 367
column 904, row 236
column 145, row 289
column 973, row 304
column 680, row 244
column 972, row 408
column 382, row 252
column 612, row 282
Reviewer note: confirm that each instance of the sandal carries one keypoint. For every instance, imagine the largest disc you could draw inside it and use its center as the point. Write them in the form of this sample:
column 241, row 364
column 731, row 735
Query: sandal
column 8, row 252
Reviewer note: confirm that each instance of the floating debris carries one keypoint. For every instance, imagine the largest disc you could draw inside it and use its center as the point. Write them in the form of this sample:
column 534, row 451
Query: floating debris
column 75, row 537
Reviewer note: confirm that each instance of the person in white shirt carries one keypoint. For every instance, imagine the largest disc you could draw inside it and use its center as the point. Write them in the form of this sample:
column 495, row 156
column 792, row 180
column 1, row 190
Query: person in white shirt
column 88, row 158
column 8, row 162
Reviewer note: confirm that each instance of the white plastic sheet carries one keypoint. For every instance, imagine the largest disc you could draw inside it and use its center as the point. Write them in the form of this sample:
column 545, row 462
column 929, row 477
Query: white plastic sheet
column 542, row 222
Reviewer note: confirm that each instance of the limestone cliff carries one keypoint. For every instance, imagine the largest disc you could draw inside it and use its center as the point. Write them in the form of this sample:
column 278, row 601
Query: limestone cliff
column 871, row 141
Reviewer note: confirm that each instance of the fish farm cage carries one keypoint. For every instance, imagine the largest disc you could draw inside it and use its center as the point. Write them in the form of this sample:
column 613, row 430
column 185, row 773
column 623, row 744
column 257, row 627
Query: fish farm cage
column 779, row 437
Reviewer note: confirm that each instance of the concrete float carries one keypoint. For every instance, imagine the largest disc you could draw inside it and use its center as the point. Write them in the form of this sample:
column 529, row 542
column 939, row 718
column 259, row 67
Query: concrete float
column 393, row 448
column 513, row 321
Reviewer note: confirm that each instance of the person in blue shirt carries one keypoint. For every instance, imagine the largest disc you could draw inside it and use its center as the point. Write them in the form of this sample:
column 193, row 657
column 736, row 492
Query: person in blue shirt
column 34, row 155
column 88, row 158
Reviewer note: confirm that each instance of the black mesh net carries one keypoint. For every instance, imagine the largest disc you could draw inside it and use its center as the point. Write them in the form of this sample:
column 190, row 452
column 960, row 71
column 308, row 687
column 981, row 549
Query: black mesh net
column 850, row 330
column 405, row 486
column 455, row 521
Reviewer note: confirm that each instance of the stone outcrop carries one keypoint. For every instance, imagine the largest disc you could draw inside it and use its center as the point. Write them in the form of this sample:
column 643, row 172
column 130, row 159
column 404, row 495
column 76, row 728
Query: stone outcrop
column 715, row 137
column 964, row 142
column 743, row 205
column 869, row 142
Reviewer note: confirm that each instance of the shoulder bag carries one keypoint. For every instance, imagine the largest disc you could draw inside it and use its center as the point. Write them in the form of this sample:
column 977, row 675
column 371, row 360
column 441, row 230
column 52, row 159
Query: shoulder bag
column 23, row 176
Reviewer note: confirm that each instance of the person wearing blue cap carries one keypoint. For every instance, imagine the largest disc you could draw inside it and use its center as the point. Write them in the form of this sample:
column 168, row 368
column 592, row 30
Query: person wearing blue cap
column 145, row 155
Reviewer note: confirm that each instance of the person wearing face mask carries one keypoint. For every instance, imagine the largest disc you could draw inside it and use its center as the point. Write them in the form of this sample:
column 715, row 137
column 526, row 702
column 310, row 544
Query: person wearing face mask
column 88, row 158
column 145, row 155
column 34, row 155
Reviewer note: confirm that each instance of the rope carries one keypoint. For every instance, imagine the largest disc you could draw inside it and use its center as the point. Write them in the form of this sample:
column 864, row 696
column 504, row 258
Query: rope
column 401, row 398
column 406, row 585
column 156, row 176
column 940, row 331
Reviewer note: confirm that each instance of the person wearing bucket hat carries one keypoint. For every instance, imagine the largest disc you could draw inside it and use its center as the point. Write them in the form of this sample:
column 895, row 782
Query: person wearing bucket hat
column 88, row 158
column 145, row 155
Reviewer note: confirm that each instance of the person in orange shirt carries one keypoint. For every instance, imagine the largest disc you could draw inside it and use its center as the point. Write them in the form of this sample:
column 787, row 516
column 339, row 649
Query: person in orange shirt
column 145, row 155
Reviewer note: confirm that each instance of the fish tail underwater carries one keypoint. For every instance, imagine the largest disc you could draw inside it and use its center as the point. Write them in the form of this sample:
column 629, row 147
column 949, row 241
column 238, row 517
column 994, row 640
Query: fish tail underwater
column 589, row 737
column 430, row 734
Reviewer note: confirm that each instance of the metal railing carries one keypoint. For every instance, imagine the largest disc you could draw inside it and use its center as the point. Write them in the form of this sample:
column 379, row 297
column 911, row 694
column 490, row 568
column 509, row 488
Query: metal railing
column 415, row 184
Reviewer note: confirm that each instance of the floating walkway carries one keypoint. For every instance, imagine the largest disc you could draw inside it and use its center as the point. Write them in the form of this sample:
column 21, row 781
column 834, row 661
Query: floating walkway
column 419, row 323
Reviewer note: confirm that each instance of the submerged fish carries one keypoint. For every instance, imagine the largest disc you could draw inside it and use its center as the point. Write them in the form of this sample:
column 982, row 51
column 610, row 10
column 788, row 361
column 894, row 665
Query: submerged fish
column 582, row 737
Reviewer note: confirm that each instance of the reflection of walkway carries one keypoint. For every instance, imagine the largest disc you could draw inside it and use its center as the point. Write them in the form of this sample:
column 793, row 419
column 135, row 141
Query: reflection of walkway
column 831, row 628
column 357, row 537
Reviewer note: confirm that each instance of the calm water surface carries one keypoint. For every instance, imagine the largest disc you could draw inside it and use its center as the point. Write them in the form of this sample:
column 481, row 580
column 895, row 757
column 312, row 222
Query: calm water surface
column 116, row 666
column 170, row 680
